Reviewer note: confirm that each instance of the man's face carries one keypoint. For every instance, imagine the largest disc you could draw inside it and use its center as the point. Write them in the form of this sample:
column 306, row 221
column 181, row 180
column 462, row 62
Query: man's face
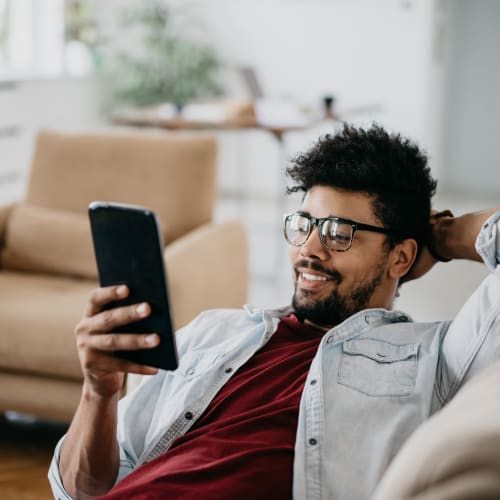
column 331, row 286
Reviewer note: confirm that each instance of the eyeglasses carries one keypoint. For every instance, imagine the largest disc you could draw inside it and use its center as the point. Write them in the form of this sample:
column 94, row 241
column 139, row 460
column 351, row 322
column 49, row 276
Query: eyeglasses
column 335, row 233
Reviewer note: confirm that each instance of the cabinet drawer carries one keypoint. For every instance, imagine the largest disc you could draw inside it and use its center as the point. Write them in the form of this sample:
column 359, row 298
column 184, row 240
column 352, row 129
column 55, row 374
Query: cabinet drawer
column 13, row 108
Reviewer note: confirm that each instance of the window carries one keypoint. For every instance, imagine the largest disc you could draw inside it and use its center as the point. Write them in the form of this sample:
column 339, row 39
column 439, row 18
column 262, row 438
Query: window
column 4, row 7
column 36, row 42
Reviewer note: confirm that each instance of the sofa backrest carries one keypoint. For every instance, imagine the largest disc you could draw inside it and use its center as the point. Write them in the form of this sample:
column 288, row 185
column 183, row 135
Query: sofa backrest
column 173, row 174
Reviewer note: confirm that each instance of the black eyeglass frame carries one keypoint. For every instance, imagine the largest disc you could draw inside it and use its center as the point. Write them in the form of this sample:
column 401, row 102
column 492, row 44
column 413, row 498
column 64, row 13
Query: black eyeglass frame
column 319, row 221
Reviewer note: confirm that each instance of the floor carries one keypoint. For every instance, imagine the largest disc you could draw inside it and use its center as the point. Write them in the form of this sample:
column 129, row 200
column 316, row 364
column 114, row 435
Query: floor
column 26, row 448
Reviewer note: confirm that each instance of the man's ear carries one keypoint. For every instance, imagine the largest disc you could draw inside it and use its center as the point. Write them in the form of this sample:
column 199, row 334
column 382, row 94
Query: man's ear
column 403, row 256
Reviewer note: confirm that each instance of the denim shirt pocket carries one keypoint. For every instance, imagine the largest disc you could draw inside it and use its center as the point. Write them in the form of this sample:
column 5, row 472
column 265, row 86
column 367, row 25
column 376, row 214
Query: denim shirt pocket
column 378, row 368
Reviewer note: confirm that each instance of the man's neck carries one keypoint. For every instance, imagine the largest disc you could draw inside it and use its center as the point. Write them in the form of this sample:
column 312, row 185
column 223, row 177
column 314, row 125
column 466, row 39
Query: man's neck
column 322, row 328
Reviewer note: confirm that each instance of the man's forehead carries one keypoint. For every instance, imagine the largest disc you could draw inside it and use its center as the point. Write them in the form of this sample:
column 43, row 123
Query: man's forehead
column 327, row 201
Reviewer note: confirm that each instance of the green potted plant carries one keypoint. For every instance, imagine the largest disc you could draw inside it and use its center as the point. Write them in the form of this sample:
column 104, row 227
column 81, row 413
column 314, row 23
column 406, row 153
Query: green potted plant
column 159, row 65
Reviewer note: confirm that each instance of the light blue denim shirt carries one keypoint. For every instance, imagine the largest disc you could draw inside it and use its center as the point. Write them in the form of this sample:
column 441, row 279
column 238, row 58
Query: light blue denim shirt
column 373, row 380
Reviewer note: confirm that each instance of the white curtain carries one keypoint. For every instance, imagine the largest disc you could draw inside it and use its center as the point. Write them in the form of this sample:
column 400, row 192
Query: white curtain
column 35, row 38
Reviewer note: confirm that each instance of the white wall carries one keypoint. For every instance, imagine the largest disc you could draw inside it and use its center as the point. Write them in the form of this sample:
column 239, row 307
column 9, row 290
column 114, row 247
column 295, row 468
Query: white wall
column 361, row 51
column 471, row 161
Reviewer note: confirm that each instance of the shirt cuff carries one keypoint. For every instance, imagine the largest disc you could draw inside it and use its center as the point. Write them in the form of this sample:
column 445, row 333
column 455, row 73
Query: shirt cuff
column 55, row 478
column 488, row 241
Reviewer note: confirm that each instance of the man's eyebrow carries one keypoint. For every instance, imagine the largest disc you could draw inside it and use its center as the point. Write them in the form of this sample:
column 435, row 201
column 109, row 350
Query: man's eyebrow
column 305, row 212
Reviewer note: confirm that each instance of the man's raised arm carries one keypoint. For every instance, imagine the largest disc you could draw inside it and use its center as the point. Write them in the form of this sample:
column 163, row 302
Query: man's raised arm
column 89, row 457
column 451, row 238
column 455, row 237
column 472, row 340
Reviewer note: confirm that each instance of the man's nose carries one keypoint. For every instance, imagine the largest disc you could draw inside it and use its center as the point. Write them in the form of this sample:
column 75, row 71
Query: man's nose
column 313, row 248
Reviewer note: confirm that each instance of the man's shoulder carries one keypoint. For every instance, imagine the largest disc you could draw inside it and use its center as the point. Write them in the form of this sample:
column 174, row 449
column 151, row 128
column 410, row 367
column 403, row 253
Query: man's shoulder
column 400, row 327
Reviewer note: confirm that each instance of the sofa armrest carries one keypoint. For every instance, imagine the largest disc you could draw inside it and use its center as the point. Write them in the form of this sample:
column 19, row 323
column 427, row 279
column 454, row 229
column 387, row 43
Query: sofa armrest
column 207, row 268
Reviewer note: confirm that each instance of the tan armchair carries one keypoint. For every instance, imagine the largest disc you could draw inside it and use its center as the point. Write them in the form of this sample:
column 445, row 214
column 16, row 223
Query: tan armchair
column 47, row 264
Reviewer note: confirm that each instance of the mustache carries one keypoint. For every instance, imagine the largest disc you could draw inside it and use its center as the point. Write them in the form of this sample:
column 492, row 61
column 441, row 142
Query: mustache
column 311, row 264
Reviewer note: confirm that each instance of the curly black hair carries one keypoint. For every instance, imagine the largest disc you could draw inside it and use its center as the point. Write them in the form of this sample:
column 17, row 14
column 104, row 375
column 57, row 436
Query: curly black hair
column 390, row 168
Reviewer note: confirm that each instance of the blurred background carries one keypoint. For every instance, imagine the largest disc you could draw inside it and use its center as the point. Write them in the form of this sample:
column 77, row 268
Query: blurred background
column 267, row 77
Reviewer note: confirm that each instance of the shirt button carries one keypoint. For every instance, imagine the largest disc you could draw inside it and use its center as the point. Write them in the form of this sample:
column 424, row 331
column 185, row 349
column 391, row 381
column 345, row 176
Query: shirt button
column 313, row 381
column 188, row 415
column 313, row 442
column 190, row 371
column 329, row 340
column 228, row 370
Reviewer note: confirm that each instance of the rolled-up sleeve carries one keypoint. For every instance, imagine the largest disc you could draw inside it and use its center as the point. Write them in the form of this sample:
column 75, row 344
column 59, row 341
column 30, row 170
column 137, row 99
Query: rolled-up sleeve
column 55, row 479
column 488, row 242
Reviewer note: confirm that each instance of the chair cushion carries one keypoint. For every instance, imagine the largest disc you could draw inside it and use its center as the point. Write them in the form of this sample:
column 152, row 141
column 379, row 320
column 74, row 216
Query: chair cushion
column 49, row 241
column 38, row 317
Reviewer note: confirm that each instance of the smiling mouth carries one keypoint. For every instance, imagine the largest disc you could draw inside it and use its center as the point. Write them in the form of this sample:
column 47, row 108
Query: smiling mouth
column 312, row 272
column 312, row 277
column 313, row 282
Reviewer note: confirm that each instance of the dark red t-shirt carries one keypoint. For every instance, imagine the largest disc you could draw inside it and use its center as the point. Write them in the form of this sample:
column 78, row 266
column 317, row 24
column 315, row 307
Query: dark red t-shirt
column 243, row 445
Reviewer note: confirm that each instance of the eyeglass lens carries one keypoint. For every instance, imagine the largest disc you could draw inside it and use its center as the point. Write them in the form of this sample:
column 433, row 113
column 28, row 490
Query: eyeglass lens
column 333, row 234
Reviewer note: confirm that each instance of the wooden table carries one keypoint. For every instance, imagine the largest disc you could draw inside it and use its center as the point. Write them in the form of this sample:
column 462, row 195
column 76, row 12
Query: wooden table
column 145, row 118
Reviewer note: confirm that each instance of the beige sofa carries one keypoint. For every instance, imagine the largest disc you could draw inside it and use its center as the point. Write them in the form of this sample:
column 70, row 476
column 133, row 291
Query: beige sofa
column 455, row 455
column 47, row 264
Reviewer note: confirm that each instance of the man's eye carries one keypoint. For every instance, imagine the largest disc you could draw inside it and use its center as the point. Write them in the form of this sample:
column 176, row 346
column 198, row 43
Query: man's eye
column 299, row 228
column 342, row 237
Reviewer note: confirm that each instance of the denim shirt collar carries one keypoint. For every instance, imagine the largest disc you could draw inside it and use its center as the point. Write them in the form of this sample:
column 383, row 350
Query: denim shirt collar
column 352, row 327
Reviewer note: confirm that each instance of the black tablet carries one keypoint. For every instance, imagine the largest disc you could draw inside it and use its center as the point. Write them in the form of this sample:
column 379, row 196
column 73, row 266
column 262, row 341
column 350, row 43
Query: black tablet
column 129, row 250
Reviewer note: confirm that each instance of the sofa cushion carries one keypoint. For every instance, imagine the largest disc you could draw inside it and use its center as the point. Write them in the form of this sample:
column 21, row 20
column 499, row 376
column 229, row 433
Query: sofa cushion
column 39, row 315
column 49, row 241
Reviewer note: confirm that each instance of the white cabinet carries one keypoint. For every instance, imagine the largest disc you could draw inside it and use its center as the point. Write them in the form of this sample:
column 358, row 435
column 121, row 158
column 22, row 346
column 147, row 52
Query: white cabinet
column 28, row 106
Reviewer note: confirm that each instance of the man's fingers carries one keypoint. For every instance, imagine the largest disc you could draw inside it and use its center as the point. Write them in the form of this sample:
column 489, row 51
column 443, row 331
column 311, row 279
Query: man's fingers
column 99, row 297
column 107, row 363
column 111, row 319
column 120, row 341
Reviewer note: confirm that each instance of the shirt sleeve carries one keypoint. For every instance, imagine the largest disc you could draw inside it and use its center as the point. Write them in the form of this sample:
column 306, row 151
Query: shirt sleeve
column 472, row 341
column 55, row 478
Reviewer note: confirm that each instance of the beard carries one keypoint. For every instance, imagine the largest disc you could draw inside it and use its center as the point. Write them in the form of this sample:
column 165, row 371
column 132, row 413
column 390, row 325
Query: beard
column 337, row 306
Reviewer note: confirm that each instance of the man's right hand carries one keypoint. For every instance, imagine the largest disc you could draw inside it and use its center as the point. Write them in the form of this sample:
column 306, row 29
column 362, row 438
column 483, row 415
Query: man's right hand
column 102, row 371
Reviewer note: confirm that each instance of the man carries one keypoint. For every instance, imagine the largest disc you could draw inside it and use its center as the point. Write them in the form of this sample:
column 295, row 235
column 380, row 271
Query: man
column 310, row 401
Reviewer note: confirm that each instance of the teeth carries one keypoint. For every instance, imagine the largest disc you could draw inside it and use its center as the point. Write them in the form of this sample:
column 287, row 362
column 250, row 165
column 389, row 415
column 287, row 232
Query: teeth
column 313, row 277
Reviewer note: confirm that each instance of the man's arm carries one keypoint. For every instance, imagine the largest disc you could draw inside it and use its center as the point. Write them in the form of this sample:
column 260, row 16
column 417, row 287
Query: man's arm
column 451, row 238
column 473, row 339
column 455, row 237
column 89, row 458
